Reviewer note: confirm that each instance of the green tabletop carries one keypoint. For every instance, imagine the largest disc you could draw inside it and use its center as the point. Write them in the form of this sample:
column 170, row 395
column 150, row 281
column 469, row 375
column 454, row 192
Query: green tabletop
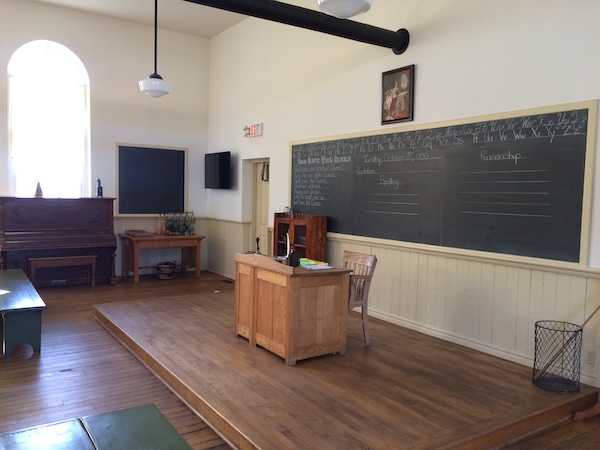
column 68, row 435
column 138, row 428
column 141, row 427
column 17, row 292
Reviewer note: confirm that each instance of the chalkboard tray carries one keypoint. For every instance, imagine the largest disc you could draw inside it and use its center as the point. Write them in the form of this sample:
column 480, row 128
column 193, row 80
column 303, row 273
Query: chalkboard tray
column 515, row 183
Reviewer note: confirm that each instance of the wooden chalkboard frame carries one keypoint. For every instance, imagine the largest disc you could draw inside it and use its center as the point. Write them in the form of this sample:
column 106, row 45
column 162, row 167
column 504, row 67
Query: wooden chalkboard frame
column 585, row 142
column 151, row 179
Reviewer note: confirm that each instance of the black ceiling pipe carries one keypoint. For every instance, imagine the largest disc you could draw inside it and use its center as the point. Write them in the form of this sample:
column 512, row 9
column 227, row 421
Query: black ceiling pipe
column 313, row 20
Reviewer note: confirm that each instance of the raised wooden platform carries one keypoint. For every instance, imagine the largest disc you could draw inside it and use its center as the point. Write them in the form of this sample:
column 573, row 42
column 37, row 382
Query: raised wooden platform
column 406, row 390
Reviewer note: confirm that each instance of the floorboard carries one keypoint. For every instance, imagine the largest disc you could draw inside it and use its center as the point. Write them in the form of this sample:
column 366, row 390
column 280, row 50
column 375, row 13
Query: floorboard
column 406, row 390
column 82, row 370
column 432, row 394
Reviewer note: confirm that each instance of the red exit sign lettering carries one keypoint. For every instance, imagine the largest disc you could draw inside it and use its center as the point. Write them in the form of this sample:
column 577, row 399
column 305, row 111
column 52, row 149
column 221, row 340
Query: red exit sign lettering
column 256, row 130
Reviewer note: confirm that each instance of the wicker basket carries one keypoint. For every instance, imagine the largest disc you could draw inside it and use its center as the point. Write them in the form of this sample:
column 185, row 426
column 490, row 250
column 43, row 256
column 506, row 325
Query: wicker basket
column 166, row 270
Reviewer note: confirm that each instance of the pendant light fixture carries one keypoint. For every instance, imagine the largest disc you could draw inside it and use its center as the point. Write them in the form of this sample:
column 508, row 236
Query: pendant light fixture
column 154, row 85
column 342, row 9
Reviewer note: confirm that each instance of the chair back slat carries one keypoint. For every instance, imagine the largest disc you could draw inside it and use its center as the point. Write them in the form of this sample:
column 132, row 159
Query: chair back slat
column 363, row 267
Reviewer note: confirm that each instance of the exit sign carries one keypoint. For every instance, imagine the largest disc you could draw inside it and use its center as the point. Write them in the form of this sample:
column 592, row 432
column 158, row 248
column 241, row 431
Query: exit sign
column 256, row 130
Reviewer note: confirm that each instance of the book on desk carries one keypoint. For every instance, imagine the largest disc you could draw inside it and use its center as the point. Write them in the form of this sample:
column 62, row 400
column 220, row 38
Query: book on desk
column 313, row 264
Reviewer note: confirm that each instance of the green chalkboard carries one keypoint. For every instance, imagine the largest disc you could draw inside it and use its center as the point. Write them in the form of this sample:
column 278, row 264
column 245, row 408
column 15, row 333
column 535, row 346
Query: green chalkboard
column 151, row 180
column 513, row 184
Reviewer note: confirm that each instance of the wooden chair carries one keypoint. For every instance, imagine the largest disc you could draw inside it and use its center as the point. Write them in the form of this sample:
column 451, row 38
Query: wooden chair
column 362, row 267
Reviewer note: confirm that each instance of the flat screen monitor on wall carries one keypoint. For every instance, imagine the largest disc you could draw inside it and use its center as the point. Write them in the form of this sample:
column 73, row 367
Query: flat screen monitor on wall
column 217, row 170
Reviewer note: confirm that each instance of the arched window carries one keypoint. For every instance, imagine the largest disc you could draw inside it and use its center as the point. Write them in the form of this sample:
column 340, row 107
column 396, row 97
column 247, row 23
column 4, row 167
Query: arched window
column 49, row 122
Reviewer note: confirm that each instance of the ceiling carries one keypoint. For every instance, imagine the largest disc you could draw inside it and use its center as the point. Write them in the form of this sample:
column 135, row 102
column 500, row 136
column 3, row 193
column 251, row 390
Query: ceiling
column 174, row 15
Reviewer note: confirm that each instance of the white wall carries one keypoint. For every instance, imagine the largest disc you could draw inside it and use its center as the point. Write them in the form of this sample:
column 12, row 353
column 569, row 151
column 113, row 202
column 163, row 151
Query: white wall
column 472, row 58
column 117, row 55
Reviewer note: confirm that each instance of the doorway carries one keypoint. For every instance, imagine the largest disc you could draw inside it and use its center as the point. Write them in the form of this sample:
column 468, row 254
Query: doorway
column 260, row 210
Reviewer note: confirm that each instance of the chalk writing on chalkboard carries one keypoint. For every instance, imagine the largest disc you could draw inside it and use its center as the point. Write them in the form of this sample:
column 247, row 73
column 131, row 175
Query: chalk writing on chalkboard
column 512, row 185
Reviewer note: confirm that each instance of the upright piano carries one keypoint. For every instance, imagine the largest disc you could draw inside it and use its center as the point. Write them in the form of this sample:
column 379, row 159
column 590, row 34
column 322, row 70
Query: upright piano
column 57, row 227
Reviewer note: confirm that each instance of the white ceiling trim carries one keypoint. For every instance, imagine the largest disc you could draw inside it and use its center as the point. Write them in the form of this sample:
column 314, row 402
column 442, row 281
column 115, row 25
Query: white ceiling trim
column 174, row 15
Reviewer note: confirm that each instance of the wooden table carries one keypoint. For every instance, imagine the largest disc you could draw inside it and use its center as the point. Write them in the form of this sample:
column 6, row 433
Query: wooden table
column 21, row 308
column 131, row 246
column 293, row 312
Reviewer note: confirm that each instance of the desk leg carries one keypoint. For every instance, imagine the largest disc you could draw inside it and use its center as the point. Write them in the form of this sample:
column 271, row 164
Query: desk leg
column 191, row 256
column 197, row 260
column 130, row 260
column 135, row 250
column 22, row 327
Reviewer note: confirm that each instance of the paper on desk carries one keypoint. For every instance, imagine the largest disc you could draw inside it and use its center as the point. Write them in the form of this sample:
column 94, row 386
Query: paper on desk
column 318, row 266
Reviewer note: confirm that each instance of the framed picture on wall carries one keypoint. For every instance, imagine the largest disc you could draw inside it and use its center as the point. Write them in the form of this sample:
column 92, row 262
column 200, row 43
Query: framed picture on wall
column 397, row 95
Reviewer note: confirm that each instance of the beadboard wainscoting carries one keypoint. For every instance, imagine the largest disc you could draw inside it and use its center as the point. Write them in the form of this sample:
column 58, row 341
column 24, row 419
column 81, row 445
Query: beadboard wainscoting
column 487, row 302
column 224, row 240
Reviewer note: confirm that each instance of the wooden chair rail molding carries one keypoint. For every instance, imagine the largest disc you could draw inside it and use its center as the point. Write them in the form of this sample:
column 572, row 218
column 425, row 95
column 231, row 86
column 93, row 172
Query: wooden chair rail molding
column 524, row 262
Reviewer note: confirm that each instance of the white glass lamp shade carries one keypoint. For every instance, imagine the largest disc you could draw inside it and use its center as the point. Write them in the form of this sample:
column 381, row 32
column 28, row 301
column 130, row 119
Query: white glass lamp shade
column 155, row 86
column 342, row 9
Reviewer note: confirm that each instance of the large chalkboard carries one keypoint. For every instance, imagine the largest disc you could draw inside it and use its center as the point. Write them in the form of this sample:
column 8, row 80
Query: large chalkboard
column 512, row 185
column 151, row 180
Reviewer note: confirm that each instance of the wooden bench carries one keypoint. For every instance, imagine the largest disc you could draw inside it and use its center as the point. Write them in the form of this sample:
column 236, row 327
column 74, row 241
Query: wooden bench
column 64, row 261
column 21, row 308
column 140, row 427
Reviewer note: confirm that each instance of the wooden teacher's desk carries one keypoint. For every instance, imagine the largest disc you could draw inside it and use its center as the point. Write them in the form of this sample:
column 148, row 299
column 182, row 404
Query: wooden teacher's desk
column 131, row 246
column 293, row 312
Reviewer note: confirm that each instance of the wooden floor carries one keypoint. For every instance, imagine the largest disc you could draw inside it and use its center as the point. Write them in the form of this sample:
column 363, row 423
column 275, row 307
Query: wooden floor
column 417, row 392
column 83, row 370
column 405, row 391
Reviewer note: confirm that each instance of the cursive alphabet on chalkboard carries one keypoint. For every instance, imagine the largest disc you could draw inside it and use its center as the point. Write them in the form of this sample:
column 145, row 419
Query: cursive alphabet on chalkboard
column 512, row 185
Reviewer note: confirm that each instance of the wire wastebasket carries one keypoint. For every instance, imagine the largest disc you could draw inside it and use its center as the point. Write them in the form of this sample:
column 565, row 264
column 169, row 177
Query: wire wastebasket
column 557, row 362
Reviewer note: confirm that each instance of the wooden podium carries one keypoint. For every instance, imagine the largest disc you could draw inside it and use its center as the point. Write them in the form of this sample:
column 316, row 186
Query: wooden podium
column 293, row 312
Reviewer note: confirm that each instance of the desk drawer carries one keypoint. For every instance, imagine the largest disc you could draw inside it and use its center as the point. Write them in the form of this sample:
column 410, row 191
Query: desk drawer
column 168, row 243
column 155, row 243
column 187, row 243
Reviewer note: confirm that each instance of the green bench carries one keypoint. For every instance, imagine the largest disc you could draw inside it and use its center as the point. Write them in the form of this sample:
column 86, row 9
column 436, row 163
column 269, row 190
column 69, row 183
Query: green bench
column 141, row 427
column 21, row 308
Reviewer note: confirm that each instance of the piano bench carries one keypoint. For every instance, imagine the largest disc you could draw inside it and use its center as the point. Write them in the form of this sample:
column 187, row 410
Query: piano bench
column 64, row 261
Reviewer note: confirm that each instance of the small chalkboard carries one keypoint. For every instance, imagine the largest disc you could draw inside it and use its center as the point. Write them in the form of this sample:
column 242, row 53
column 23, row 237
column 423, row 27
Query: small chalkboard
column 151, row 180
column 511, row 184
